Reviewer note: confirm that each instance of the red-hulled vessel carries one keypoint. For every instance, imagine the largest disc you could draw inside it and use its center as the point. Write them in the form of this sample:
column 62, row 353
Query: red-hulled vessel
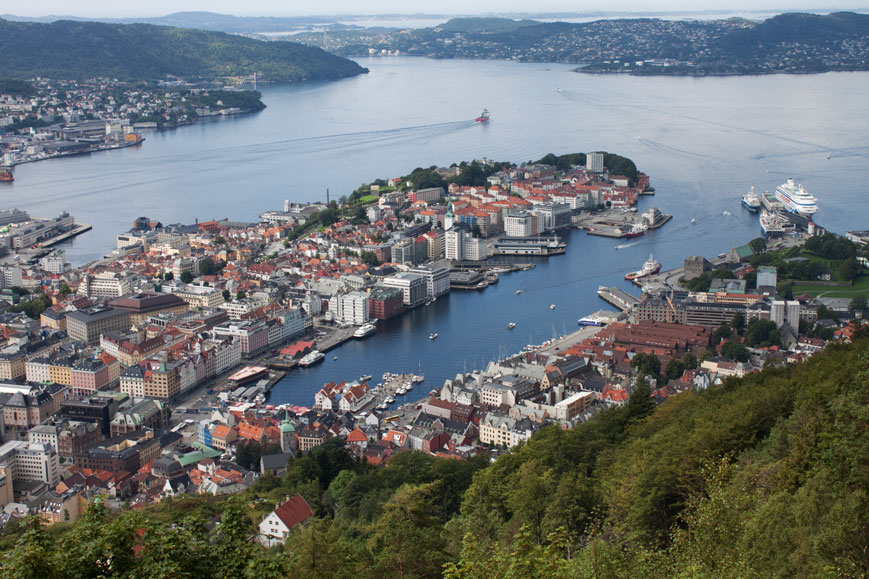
column 484, row 116
column 6, row 176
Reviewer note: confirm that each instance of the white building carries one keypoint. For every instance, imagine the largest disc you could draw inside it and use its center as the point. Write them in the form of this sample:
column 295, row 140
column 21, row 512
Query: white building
column 104, row 285
column 200, row 296
column 412, row 286
column 519, row 224
column 783, row 311
column 277, row 525
column 30, row 462
column 55, row 262
column 594, row 162
column 453, row 244
column 437, row 279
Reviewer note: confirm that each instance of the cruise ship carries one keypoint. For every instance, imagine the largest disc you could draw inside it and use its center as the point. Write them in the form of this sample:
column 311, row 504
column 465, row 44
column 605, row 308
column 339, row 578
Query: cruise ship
column 796, row 199
column 365, row 331
column 751, row 201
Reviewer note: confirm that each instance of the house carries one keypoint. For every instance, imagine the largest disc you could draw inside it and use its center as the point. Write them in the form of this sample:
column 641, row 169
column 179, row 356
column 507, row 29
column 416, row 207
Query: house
column 277, row 525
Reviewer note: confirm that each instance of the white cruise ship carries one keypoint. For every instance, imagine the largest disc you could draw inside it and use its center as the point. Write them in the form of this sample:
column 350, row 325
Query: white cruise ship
column 796, row 199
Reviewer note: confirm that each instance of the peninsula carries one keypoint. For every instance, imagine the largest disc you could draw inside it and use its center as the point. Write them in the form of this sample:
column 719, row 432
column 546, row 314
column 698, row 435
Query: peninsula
column 787, row 43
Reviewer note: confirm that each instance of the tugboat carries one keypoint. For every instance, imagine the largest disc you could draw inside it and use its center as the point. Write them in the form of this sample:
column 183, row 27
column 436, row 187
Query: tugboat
column 651, row 267
column 484, row 117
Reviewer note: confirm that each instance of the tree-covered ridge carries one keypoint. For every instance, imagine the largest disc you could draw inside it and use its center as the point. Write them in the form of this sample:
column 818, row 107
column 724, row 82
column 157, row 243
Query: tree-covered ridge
column 71, row 50
column 763, row 476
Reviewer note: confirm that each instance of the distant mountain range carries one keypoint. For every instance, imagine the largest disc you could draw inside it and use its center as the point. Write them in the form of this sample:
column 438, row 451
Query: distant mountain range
column 78, row 49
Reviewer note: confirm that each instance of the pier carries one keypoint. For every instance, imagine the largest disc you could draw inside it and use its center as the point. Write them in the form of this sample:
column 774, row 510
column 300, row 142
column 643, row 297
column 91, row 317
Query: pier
column 618, row 298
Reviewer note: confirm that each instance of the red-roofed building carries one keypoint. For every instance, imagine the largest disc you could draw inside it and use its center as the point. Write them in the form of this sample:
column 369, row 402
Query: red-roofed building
column 277, row 525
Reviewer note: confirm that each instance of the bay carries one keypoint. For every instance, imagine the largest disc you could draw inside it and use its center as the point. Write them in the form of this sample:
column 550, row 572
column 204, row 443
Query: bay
column 703, row 141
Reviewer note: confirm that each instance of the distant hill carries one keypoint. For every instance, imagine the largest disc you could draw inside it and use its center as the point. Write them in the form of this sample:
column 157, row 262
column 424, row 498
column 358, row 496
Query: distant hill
column 76, row 49
column 484, row 25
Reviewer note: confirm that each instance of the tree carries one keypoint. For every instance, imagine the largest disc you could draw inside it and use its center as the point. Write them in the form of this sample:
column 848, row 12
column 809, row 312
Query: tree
column 65, row 289
column 690, row 361
column 722, row 332
column 186, row 277
column 476, row 231
column 735, row 351
column 758, row 244
column 738, row 322
column 849, row 270
column 226, row 295
column 675, row 368
column 646, row 364
column 208, row 267
column 858, row 304
column 168, row 276
column 369, row 258
column 240, row 295
column 762, row 333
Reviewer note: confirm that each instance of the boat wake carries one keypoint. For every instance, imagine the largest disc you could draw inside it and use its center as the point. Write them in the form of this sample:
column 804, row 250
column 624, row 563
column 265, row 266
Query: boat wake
column 627, row 245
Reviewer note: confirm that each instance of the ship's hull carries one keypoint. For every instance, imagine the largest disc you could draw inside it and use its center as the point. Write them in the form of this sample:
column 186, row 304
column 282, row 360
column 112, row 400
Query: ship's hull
column 750, row 207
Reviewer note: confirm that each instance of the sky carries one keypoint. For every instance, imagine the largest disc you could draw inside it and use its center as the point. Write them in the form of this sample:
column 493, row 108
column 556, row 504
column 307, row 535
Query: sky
column 115, row 9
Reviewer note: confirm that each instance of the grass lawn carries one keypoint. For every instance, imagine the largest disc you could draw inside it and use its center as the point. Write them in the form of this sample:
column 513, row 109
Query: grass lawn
column 369, row 199
column 861, row 286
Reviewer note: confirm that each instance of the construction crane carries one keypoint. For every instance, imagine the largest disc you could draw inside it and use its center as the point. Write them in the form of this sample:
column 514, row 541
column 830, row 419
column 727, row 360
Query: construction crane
column 671, row 310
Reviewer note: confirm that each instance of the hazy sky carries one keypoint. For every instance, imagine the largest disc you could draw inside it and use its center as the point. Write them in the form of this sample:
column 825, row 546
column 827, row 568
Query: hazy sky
column 105, row 8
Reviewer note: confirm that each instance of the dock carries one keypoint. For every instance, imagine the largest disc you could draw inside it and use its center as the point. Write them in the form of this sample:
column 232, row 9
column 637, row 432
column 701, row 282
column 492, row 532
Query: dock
column 77, row 230
column 618, row 298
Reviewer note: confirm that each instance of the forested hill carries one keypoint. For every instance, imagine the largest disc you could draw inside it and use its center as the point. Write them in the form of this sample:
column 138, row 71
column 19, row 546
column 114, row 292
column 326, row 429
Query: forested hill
column 763, row 476
column 71, row 50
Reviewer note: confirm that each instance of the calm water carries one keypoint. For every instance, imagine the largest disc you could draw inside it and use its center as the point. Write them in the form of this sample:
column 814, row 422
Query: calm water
column 702, row 141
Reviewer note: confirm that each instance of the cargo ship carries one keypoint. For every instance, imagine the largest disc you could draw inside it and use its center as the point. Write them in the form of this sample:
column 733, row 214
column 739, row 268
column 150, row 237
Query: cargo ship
column 651, row 267
column 6, row 176
column 484, row 117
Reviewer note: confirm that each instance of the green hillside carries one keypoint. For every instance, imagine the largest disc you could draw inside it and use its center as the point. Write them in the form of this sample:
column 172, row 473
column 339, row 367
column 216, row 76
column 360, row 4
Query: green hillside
column 67, row 49
column 764, row 476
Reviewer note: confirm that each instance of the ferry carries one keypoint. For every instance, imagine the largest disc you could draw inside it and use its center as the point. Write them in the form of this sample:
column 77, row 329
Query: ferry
column 312, row 358
column 590, row 321
column 365, row 331
column 796, row 199
column 751, row 201
column 484, row 117
column 6, row 176
column 651, row 267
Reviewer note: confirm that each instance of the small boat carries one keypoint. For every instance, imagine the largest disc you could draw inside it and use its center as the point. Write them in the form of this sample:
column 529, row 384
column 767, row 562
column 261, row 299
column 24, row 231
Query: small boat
column 511, row 325
column 334, row 357
column 390, row 400
column 365, row 377
column 408, row 386
column 432, row 336
column 401, row 391
column 518, row 292
column 552, row 307
column 693, row 220
column 484, row 117
column 382, row 406
column 418, row 378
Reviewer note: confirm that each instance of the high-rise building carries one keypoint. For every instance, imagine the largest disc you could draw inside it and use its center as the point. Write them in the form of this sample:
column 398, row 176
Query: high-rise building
column 766, row 277
column 594, row 162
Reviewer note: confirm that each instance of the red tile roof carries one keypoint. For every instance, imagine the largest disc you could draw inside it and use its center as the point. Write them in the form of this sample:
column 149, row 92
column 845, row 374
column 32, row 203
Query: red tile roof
column 294, row 512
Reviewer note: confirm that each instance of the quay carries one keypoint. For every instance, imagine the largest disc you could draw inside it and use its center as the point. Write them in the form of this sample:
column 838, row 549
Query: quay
column 77, row 230
column 618, row 298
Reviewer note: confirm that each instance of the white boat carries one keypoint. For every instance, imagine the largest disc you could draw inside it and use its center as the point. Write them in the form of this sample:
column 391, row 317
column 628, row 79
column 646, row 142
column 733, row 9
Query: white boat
column 334, row 357
column 518, row 292
column 365, row 378
column 432, row 336
column 552, row 307
column 312, row 358
column 751, row 201
column 796, row 199
column 417, row 378
column 408, row 386
column 382, row 406
column 590, row 321
column 401, row 391
column 773, row 224
column 511, row 325
column 390, row 400
column 365, row 331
